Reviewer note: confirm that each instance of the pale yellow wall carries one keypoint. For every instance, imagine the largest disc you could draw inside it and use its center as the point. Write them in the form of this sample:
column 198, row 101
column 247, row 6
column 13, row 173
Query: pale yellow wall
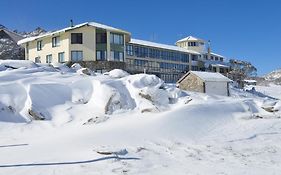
column 88, row 47
column 200, row 48
column 47, row 48
column 89, row 42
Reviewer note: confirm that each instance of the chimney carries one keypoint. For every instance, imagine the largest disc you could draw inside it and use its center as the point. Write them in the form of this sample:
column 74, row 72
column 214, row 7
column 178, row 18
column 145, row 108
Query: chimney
column 71, row 23
column 209, row 47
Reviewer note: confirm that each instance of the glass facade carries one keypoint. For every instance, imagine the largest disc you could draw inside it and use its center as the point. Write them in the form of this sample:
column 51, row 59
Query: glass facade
column 169, row 65
column 117, row 56
column 116, row 38
column 156, row 53
column 101, row 55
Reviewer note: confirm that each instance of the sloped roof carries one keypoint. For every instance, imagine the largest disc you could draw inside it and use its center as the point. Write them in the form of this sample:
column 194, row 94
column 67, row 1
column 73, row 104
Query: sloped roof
column 162, row 46
column 94, row 24
column 190, row 38
column 207, row 76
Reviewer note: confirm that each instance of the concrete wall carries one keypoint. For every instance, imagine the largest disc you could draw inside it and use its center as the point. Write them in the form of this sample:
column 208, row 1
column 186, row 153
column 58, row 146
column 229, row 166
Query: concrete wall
column 192, row 83
column 217, row 88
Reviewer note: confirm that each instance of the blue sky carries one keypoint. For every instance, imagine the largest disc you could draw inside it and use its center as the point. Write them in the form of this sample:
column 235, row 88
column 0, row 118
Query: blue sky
column 242, row 29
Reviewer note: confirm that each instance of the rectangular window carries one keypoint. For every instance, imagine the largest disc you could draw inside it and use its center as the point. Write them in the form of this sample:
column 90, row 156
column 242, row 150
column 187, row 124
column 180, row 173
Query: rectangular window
column 61, row 57
column 194, row 57
column 37, row 60
column 55, row 41
column 39, row 45
column 101, row 55
column 76, row 56
column 101, row 38
column 76, row 38
column 117, row 56
column 194, row 68
column 49, row 58
column 129, row 49
column 116, row 39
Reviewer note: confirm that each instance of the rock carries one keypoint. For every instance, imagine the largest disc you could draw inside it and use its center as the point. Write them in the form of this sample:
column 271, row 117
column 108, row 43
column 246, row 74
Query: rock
column 35, row 115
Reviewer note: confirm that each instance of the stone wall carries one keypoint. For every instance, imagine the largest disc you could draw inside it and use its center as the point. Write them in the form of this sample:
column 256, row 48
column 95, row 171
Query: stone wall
column 192, row 83
column 100, row 65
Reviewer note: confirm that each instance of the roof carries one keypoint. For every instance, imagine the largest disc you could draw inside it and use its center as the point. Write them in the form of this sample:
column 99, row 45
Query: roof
column 14, row 36
column 163, row 46
column 94, row 24
column 190, row 38
column 212, row 53
column 250, row 81
column 216, row 63
column 207, row 76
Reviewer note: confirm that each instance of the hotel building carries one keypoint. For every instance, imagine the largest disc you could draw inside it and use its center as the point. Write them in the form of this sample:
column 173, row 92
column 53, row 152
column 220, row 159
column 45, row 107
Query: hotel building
column 103, row 48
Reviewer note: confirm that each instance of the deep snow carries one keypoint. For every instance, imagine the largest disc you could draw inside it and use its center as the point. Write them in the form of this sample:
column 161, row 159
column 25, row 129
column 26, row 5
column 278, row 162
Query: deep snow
column 131, row 124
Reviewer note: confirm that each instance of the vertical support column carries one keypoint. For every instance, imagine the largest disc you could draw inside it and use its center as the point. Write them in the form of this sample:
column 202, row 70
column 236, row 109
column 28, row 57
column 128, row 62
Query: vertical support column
column 95, row 45
column 124, row 41
column 190, row 61
column 108, row 46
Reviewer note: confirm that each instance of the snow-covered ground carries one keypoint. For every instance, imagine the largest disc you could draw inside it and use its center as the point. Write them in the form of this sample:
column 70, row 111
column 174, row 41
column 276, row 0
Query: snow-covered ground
column 131, row 124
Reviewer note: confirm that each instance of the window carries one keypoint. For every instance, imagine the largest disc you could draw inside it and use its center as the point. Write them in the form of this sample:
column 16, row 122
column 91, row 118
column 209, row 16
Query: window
column 76, row 56
column 101, row 38
column 192, row 43
column 221, row 70
column 194, row 68
column 76, row 38
column 221, row 59
column 116, row 39
column 49, row 58
column 37, row 60
column 117, row 56
column 101, row 55
column 55, row 41
column 129, row 49
column 39, row 45
column 61, row 57
column 194, row 57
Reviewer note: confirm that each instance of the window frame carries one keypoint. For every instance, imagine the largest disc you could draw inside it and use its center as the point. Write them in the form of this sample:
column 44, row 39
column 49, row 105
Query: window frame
column 75, row 38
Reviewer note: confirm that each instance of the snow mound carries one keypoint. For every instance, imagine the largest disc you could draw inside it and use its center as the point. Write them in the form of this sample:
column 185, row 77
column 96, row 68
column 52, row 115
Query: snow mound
column 76, row 66
column 145, row 80
column 118, row 73
column 15, row 64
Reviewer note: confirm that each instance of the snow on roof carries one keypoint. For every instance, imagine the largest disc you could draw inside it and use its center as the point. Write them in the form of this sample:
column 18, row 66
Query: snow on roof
column 207, row 76
column 190, row 38
column 250, row 81
column 94, row 24
column 163, row 46
column 215, row 63
column 212, row 53
column 220, row 65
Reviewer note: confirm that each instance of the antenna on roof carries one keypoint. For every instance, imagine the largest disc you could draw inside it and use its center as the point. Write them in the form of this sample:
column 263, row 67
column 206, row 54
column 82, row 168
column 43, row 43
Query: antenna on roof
column 71, row 23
